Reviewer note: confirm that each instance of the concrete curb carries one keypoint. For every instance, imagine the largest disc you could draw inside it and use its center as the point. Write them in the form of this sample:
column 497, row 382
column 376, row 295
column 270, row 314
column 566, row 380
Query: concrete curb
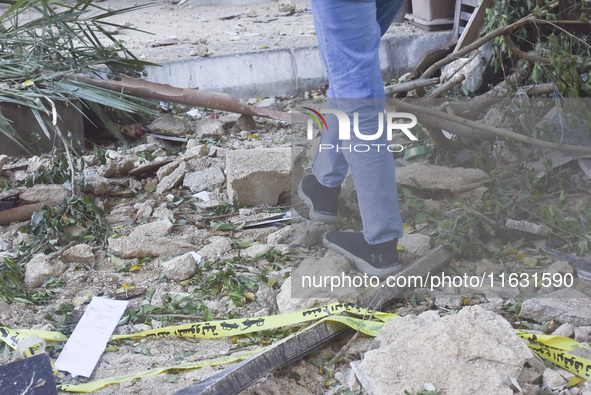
column 285, row 71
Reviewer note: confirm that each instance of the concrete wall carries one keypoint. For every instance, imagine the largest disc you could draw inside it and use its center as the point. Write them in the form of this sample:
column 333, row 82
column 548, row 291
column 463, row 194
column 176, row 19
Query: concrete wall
column 285, row 71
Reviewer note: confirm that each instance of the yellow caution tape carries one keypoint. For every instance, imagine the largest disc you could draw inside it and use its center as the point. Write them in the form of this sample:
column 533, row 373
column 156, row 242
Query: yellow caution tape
column 371, row 328
column 98, row 384
column 556, row 349
column 553, row 348
column 209, row 330
column 13, row 336
column 241, row 326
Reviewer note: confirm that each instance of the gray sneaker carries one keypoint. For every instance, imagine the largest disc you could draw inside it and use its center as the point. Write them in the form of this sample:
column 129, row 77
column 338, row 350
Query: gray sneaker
column 380, row 260
column 322, row 201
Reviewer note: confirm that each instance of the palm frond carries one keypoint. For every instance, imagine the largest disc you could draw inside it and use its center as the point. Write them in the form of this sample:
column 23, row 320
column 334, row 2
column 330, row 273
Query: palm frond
column 37, row 51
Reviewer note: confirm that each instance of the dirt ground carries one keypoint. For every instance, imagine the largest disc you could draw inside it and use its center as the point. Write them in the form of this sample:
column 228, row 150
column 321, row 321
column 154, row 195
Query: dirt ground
column 214, row 30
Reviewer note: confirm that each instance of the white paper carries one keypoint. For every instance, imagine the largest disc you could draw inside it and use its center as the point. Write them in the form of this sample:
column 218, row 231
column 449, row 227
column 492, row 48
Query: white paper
column 89, row 339
column 203, row 195
column 196, row 256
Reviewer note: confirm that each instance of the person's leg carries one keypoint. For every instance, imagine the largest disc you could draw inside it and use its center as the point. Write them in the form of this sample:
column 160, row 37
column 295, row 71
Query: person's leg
column 386, row 12
column 349, row 34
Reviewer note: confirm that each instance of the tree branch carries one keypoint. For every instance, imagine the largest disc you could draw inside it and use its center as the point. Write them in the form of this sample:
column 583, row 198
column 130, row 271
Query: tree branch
column 417, row 110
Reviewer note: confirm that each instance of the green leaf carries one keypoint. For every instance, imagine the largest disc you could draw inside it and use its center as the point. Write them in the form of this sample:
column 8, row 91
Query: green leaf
column 536, row 74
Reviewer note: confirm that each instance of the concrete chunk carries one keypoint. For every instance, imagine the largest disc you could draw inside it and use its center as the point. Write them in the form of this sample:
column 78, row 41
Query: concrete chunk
column 44, row 193
column 40, row 268
column 459, row 354
column 199, row 180
column 80, row 253
column 258, row 176
column 152, row 229
column 119, row 166
column 131, row 247
column 169, row 125
column 173, row 179
column 180, row 268
column 564, row 305
column 438, row 178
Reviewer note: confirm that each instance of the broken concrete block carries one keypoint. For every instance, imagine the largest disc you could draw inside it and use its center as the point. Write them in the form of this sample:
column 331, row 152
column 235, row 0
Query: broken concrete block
column 119, row 166
column 210, row 177
column 229, row 120
column 144, row 210
column 583, row 334
column 415, row 243
column 258, row 176
column 164, row 213
column 560, row 267
column 95, row 183
column 260, row 249
column 528, row 227
column 80, row 253
column 324, row 278
column 461, row 353
column 193, row 143
column 287, row 304
column 172, row 180
column 167, row 169
column 566, row 330
column 287, row 6
column 130, row 247
column 438, row 178
column 218, row 245
column 279, row 237
column 564, row 305
column 40, row 268
column 180, row 268
column 152, row 229
column 554, row 379
column 44, row 193
column 209, row 127
column 169, row 125
column 308, row 234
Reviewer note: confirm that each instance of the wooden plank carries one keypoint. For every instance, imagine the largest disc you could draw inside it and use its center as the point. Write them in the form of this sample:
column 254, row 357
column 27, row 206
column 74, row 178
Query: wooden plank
column 236, row 378
column 474, row 26
column 433, row 56
column 457, row 13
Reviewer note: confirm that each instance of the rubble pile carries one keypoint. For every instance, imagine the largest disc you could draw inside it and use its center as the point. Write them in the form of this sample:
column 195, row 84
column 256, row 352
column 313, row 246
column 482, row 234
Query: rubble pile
column 204, row 229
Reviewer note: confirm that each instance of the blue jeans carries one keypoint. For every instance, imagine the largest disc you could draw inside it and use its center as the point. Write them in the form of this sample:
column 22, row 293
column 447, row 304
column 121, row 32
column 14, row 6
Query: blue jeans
column 349, row 33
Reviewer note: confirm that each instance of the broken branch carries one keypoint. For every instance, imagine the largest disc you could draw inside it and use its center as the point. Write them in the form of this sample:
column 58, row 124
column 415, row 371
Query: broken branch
column 193, row 97
column 22, row 213
column 418, row 110
column 441, row 90
column 480, row 42
column 523, row 55
column 410, row 85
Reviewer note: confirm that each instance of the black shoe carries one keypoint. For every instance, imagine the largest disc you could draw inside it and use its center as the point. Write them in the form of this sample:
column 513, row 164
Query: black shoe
column 380, row 260
column 321, row 200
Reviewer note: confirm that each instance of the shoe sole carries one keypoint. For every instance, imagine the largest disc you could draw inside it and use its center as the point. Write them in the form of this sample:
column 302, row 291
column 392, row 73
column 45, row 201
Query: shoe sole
column 315, row 215
column 362, row 265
